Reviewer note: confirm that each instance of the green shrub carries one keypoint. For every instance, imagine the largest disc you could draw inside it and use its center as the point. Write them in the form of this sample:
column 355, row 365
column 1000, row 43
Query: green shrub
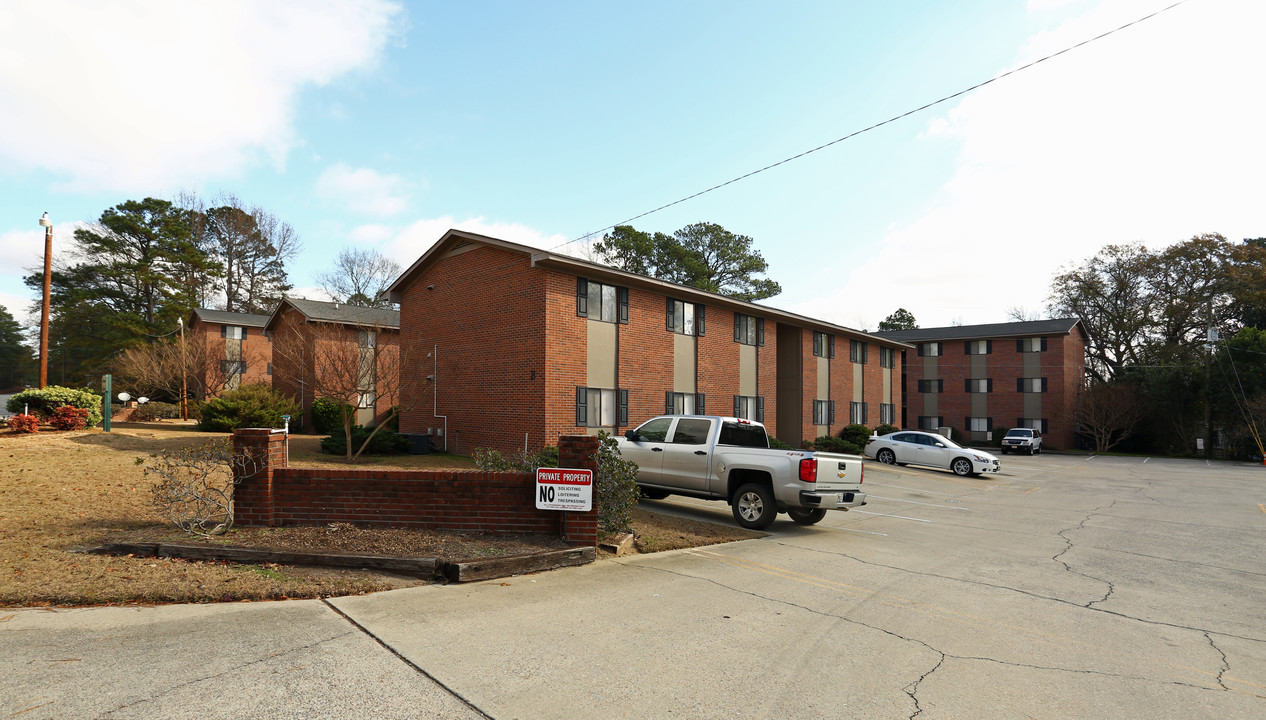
column 826, row 443
column 776, row 443
column 886, row 429
column 44, row 402
column 67, row 417
column 386, row 442
column 855, row 434
column 24, row 424
column 327, row 415
column 151, row 411
column 248, row 406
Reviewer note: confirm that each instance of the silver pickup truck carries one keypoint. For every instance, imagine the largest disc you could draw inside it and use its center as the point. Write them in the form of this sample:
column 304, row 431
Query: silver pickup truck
column 726, row 458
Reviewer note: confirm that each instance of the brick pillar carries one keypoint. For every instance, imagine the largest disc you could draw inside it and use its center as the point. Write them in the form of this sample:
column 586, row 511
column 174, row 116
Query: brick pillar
column 253, row 479
column 580, row 451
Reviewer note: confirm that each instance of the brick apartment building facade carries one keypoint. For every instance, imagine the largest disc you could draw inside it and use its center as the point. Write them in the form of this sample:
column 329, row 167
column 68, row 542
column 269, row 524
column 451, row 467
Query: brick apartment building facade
column 515, row 346
column 334, row 346
column 977, row 377
column 228, row 350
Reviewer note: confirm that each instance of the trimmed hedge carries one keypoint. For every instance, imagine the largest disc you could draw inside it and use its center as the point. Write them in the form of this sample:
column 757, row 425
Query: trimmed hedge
column 248, row 406
column 44, row 402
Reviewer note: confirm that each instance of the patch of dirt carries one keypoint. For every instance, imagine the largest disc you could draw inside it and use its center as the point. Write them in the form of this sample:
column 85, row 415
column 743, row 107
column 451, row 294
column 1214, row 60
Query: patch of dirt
column 61, row 492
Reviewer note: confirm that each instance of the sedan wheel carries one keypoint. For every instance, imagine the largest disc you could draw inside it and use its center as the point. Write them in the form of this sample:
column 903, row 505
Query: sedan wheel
column 961, row 467
column 886, row 457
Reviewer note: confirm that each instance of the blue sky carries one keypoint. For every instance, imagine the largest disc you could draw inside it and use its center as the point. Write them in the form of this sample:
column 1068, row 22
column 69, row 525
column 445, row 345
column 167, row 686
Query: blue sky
column 377, row 124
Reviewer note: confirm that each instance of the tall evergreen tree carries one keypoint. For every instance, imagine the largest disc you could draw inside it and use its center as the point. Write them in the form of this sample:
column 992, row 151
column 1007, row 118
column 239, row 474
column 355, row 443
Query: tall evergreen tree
column 17, row 361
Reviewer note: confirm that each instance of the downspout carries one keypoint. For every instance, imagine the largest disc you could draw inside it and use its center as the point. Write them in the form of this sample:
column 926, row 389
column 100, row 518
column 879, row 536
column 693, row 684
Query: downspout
column 435, row 393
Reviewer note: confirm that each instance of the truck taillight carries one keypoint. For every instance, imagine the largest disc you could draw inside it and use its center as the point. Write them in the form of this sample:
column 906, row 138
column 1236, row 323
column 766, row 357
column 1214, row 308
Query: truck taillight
column 861, row 474
column 809, row 470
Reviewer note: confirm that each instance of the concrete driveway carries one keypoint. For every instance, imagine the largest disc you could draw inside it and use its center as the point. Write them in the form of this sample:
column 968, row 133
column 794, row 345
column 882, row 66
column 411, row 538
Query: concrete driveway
column 1066, row 587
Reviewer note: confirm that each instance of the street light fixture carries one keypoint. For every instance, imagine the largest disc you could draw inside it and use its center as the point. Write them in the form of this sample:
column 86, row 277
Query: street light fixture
column 48, row 281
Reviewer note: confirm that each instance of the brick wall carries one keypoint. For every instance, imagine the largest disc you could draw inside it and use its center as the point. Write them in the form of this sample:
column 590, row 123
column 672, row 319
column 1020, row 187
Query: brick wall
column 462, row 500
column 206, row 348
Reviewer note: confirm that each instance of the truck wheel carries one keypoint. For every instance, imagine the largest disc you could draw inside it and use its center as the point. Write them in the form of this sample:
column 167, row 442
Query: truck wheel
column 754, row 506
column 652, row 493
column 805, row 516
column 886, row 457
column 961, row 467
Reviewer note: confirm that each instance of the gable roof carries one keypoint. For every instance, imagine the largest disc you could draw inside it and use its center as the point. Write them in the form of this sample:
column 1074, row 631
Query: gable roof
column 456, row 239
column 223, row 317
column 1032, row 328
column 339, row 313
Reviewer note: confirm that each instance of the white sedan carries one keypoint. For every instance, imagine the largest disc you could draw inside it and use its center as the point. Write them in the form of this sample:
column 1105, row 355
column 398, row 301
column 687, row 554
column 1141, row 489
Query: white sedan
column 909, row 447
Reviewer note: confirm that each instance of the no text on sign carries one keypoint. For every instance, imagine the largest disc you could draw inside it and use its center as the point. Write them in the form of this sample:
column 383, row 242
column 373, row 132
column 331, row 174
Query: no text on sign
column 564, row 489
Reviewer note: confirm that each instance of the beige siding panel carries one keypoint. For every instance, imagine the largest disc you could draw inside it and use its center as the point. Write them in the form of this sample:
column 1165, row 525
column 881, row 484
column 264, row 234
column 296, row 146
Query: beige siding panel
column 859, row 383
column 747, row 369
column 824, row 379
column 601, row 354
column 684, row 359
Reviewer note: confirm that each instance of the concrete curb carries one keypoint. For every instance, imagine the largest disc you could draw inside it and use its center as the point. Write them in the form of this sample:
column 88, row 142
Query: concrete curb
column 453, row 571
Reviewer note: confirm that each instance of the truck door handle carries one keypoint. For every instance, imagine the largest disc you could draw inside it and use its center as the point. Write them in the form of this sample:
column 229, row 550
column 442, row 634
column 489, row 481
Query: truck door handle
column 657, row 449
column 701, row 452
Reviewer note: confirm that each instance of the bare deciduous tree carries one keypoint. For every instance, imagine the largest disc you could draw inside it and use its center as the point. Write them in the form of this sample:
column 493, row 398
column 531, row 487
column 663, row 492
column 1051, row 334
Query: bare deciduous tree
column 353, row 366
column 359, row 277
column 193, row 486
column 155, row 368
column 1108, row 413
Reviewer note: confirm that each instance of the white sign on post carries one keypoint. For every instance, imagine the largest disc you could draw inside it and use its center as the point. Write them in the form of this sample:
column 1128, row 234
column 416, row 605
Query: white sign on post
column 564, row 489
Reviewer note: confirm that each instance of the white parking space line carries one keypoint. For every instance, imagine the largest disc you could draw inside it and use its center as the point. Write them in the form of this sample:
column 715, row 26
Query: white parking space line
column 864, row 532
column 914, row 502
column 902, row 487
column 899, row 517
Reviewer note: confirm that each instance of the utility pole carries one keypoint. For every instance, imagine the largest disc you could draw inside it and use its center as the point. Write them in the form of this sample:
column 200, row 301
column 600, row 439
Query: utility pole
column 1210, row 336
column 184, row 365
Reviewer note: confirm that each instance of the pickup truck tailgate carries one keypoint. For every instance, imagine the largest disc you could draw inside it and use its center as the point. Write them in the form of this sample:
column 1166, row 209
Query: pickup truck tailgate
column 837, row 472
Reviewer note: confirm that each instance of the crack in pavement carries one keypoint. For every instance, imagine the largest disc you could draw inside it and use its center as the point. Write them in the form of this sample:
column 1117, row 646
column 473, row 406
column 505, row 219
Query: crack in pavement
column 1029, row 593
column 1226, row 665
column 417, row 668
column 221, row 674
column 1069, row 546
column 913, row 688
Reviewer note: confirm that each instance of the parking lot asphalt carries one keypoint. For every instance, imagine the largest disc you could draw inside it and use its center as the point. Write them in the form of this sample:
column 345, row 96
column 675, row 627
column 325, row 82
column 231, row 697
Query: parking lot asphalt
column 1065, row 587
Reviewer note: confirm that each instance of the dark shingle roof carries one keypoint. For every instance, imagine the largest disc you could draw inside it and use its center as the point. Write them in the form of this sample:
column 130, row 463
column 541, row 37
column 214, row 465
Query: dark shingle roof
column 345, row 314
column 230, row 318
column 1033, row 328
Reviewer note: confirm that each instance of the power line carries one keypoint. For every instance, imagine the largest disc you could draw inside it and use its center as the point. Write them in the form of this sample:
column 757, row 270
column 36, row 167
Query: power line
column 877, row 125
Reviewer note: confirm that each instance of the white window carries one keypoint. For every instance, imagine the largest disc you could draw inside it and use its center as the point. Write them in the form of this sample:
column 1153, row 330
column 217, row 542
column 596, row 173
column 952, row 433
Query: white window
column 601, row 407
column 1031, row 385
column 979, row 424
column 887, row 357
column 857, row 413
column 979, row 385
column 1031, row 345
column 234, row 332
column 676, row 403
column 929, row 422
column 823, row 344
column 368, row 338
column 978, row 347
column 888, row 413
column 749, row 330
column 858, row 351
column 366, row 400
column 929, row 349
column 823, row 412
column 684, row 318
column 1038, row 424
column 597, row 301
column 749, row 407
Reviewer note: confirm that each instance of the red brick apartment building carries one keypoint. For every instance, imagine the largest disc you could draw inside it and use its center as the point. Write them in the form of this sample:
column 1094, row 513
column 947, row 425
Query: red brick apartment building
column 515, row 346
column 228, row 350
column 976, row 377
column 346, row 352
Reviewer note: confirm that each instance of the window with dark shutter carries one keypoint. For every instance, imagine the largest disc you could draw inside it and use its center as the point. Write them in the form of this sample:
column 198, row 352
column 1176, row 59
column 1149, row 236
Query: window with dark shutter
column 624, row 407
column 623, row 294
column 699, row 404
column 582, row 410
column 670, row 321
column 582, row 299
column 699, row 319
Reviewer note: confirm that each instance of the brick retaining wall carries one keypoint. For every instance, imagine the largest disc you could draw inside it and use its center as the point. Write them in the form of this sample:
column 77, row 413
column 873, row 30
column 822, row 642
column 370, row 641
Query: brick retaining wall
column 465, row 500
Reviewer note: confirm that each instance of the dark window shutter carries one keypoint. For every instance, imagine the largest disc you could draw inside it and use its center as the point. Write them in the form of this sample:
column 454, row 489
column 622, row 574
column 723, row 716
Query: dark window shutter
column 989, row 385
column 582, row 297
column 622, row 295
column 699, row 320
column 738, row 328
column 1044, row 428
column 967, row 347
column 760, row 331
column 1019, row 344
column 670, row 320
column 624, row 408
column 989, row 347
column 940, row 386
column 582, row 411
column 1043, row 344
column 738, row 406
column 246, row 330
column 700, row 408
column 668, row 402
column 1043, row 384
column 224, row 331
column 830, row 412
column 967, row 385
column 988, row 423
column 865, row 413
column 865, row 353
column 760, row 409
column 830, row 342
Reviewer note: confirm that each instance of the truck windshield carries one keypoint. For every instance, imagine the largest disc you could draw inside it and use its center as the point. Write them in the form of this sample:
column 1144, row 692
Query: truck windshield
column 743, row 435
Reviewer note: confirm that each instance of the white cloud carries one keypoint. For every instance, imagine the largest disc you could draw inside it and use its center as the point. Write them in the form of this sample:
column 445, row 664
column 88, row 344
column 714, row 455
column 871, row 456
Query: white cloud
column 417, row 238
column 1152, row 134
column 372, row 234
column 363, row 190
column 130, row 94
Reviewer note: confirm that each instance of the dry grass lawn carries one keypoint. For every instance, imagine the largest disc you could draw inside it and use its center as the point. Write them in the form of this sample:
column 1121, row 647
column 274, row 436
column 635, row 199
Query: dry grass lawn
column 61, row 492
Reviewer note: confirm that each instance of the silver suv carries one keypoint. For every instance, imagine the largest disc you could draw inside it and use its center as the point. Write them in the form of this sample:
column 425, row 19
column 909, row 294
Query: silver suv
column 1025, row 440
